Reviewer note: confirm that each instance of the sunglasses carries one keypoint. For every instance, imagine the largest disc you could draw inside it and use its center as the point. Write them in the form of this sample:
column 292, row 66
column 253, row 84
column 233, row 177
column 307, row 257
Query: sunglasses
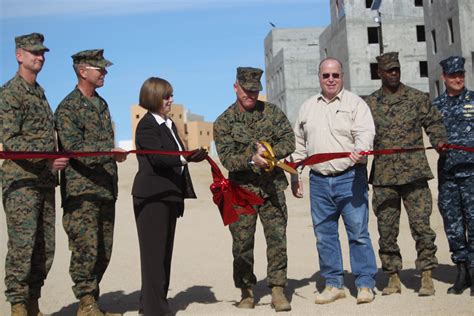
column 334, row 75
column 95, row 68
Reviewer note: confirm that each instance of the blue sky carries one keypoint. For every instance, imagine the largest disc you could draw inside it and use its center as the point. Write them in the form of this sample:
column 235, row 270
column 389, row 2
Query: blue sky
column 194, row 44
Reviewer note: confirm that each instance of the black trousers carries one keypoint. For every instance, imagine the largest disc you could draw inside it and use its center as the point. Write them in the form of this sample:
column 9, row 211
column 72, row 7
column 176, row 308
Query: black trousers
column 156, row 224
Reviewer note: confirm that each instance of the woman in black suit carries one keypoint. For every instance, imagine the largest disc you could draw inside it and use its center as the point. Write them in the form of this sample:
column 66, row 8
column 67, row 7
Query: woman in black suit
column 159, row 189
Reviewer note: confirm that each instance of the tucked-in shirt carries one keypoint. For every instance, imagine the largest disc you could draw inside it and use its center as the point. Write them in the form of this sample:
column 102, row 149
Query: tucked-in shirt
column 169, row 123
column 342, row 124
column 85, row 125
column 400, row 118
column 458, row 116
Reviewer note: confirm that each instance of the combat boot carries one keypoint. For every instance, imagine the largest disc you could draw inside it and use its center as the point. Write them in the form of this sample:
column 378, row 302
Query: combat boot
column 427, row 287
column 463, row 279
column 33, row 308
column 247, row 300
column 19, row 309
column 394, row 285
column 279, row 301
column 88, row 307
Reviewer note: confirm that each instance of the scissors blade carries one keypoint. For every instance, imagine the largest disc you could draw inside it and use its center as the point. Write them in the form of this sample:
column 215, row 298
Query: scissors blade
column 284, row 166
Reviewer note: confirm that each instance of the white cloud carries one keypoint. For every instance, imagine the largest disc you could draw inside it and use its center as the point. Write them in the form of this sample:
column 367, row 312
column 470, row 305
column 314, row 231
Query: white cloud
column 11, row 9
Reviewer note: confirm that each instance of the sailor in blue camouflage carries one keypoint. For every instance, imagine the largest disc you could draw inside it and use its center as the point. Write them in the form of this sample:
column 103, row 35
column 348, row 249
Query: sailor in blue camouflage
column 456, row 167
column 88, row 184
column 237, row 133
column 28, row 185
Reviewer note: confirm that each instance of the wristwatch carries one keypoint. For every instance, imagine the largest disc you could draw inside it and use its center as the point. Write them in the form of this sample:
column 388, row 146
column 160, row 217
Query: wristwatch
column 251, row 162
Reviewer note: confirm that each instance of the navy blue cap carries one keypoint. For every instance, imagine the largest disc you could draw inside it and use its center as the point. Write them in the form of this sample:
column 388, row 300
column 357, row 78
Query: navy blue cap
column 453, row 64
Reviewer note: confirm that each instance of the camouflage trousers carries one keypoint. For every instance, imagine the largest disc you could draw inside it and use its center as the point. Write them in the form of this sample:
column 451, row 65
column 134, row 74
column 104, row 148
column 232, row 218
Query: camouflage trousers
column 456, row 204
column 30, row 216
column 89, row 226
column 273, row 216
column 417, row 200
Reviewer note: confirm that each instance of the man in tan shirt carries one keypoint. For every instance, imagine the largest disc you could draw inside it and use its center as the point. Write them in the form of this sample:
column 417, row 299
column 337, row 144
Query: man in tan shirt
column 338, row 121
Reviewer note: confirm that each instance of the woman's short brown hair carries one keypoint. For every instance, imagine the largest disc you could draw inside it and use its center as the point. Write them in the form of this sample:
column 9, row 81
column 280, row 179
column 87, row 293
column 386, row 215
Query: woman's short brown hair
column 152, row 93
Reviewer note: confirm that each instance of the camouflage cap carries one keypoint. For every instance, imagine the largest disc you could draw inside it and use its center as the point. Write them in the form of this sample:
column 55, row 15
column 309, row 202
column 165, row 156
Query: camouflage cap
column 93, row 57
column 453, row 64
column 388, row 61
column 249, row 78
column 32, row 42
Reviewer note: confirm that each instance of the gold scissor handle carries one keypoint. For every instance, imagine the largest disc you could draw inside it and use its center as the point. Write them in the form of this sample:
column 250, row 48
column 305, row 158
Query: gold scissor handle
column 272, row 162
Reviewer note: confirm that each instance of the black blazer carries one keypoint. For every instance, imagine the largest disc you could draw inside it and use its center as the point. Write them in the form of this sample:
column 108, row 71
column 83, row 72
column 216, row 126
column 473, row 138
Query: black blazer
column 160, row 176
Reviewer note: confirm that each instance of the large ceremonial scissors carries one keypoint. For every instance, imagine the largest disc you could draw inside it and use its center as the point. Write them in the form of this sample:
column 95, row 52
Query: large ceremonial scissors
column 272, row 162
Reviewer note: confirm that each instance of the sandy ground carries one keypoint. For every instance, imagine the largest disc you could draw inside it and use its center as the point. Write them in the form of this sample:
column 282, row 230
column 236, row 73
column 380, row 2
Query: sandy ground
column 201, row 281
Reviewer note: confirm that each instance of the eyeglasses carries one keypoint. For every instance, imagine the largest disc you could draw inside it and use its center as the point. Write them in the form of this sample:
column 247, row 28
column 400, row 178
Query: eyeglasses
column 334, row 75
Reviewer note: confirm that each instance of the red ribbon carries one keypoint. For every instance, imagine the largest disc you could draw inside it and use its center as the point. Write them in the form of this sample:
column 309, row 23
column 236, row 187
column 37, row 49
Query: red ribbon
column 230, row 198
column 323, row 157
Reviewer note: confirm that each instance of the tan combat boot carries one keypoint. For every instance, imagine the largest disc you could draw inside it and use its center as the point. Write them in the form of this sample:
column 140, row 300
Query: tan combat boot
column 247, row 300
column 329, row 295
column 394, row 285
column 279, row 301
column 88, row 307
column 19, row 309
column 33, row 308
column 427, row 287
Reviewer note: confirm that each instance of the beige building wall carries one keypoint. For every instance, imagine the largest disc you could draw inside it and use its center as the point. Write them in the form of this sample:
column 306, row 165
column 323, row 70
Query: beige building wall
column 194, row 134
column 199, row 134
column 177, row 115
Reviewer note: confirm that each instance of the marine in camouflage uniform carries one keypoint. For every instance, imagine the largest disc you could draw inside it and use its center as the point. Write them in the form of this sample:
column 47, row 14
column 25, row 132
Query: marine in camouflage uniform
column 456, row 171
column 88, row 184
column 236, row 133
column 28, row 185
column 400, row 115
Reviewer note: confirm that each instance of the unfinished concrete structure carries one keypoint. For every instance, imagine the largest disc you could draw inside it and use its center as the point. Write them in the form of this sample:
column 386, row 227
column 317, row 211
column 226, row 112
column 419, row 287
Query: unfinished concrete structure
column 449, row 31
column 353, row 38
column 291, row 61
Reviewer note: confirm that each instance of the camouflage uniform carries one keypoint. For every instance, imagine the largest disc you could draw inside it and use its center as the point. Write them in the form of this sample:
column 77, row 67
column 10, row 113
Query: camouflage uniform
column 456, row 168
column 88, row 184
column 235, row 135
column 399, row 119
column 27, row 185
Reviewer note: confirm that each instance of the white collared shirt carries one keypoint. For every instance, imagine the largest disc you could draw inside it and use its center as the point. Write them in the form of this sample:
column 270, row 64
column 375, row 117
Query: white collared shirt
column 169, row 123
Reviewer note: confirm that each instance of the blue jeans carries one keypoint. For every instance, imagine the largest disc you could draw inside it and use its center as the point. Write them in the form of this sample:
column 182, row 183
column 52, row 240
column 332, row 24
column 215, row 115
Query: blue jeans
column 345, row 195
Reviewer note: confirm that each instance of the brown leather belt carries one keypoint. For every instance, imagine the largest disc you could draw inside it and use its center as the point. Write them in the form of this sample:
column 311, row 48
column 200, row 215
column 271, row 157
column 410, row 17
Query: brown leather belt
column 337, row 174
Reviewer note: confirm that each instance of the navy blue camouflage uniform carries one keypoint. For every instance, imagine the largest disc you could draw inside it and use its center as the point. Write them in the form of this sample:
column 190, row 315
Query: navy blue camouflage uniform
column 456, row 169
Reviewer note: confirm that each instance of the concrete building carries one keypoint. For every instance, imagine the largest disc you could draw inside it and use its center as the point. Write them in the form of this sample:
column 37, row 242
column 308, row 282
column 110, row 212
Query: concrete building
column 199, row 134
column 353, row 38
column 291, row 62
column 177, row 114
column 449, row 31
column 193, row 133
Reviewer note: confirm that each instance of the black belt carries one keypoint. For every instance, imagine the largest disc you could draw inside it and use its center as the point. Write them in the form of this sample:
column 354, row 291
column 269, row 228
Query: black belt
column 339, row 173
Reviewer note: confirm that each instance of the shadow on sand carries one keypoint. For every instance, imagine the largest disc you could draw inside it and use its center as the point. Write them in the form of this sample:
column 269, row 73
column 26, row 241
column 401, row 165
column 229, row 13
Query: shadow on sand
column 119, row 302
